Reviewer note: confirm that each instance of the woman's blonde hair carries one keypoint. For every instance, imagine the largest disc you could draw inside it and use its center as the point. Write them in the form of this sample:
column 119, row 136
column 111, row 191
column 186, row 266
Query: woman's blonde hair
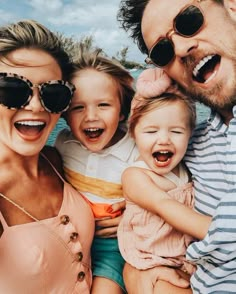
column 31, row 34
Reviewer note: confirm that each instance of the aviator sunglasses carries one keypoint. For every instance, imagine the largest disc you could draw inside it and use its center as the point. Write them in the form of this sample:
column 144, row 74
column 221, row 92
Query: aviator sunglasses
column 17, row 91
column 188, row 22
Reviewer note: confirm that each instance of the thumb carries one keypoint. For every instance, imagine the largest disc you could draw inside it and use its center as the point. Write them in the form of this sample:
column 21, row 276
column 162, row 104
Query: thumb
column 118, row 206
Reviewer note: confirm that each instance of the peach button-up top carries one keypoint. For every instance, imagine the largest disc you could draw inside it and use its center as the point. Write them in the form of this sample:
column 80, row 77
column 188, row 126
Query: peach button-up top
column 50, row 256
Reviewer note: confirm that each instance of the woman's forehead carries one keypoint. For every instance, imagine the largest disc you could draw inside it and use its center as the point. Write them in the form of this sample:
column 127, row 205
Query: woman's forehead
column 28, row 57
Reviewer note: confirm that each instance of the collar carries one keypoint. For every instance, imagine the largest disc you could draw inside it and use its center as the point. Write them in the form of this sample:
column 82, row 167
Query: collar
column 217, row 122
column 121, row 149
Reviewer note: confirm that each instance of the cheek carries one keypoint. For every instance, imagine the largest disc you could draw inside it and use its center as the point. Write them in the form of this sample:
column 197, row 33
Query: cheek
column 142, row 143
column 183, row 145
column 73, row 120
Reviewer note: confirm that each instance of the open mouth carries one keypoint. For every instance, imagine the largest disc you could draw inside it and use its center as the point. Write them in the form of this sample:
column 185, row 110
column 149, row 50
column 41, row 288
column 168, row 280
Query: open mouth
column 93, row 133
column 30, row 128
column 205, row 70
column 162, row 156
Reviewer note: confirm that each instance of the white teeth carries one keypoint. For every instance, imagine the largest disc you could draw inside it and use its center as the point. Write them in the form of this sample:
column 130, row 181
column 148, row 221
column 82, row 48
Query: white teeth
column 92, row 130
column 31, row 123
column 201, row 64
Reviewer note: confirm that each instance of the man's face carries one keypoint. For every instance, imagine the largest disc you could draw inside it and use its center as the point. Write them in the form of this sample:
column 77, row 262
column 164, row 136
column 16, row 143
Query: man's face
column 205, row 63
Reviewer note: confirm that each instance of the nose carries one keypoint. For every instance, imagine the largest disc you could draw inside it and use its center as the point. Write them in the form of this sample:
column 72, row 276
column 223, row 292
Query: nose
column 163, row 138
column 183, row 46
column 91, row 114
column 34, row 104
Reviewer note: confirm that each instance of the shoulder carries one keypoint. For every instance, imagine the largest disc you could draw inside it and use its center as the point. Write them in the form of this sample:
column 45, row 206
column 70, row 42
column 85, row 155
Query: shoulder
column 63, row 136
column 134, row 174
column 201, row 128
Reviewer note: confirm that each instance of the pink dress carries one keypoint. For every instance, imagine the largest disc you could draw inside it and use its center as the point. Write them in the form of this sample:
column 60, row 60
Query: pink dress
column 146, row 240
column 50, row 256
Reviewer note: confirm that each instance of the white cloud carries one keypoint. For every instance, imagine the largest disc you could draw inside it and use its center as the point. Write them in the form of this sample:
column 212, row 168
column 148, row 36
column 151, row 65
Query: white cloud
column 76, row 18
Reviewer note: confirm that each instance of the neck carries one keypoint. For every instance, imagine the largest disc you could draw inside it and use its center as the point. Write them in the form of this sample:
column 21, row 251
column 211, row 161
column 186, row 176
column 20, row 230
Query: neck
column 226, row 116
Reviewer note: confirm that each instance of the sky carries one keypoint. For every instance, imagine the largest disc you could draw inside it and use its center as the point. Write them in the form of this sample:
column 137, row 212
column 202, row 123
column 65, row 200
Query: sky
column 77, row 19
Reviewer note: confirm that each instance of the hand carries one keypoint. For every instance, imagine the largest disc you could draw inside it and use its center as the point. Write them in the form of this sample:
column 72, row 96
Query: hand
column 143, row 281
column 107, row 227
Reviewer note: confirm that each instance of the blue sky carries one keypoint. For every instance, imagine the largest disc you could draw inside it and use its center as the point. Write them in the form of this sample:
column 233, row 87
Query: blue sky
column 77, row 18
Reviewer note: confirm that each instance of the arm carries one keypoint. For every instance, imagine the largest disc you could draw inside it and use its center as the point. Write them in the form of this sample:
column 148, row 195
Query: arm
column 140, row 188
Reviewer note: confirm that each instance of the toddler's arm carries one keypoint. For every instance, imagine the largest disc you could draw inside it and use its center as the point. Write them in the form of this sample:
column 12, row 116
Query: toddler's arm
column 140, row 188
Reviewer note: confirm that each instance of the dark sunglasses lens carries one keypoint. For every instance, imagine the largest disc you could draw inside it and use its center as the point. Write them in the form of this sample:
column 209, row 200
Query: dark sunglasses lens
column 189, row 21
column 162, row 53
column 14, row 92
column 56, row 97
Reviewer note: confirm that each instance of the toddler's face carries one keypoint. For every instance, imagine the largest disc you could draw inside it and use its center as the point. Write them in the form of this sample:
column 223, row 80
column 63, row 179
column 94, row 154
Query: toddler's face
column 162, row 136
column 94, row 114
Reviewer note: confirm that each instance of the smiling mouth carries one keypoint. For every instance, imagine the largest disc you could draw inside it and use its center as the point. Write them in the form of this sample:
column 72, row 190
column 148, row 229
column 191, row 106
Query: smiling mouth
column 162, row 156
column 30, row 128
column 93, row 133
column 206, row 69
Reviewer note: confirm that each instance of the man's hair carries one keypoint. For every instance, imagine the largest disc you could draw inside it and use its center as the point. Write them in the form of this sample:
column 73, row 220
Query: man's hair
column 130, row 17
column 31, row 34
column 86, row 59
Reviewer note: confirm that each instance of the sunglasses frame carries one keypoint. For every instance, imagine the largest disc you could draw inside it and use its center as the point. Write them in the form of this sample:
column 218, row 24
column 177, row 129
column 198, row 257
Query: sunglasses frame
column 172, row 31
column 40, row 87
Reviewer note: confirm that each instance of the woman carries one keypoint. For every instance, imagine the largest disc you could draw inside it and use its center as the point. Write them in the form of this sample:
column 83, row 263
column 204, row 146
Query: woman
column 46, row 226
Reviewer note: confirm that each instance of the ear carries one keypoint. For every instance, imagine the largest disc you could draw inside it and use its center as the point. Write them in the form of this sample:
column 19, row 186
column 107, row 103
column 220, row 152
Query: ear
column 230, row 6
column 122, row 117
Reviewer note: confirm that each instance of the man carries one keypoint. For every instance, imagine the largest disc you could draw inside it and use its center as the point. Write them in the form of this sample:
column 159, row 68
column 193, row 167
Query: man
column 195, row 43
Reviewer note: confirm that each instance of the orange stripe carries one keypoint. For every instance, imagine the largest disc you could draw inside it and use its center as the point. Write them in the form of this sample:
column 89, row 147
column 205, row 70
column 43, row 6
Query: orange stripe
column 94, row 186
column 101, row 210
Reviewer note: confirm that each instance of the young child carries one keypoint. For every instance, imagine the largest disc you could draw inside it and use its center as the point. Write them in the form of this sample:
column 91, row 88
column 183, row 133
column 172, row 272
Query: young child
column 97, row 150
column 161, row 124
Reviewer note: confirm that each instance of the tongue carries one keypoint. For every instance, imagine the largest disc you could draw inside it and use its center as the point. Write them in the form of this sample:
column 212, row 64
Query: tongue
column 29, row 130
column 162, row 157
column 94, row 134
column 209, row 69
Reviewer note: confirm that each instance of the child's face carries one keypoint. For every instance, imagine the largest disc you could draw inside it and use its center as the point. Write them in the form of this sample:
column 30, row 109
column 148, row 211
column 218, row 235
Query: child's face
column 162, row 136
column 94, row 114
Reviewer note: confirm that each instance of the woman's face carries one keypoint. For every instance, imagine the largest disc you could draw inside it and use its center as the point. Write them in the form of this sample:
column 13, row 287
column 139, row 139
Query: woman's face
column 25, row 131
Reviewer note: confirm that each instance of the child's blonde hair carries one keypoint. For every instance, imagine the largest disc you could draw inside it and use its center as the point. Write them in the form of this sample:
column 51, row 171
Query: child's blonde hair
column 85, row 59
column 145, row 105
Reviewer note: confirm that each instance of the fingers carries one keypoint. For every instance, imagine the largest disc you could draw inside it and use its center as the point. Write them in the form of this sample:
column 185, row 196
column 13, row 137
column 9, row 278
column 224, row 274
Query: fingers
column 172, row 276
column 137, row 282
column 107, row 227
column 106, row 233
column 109, row 222
column 118, row 206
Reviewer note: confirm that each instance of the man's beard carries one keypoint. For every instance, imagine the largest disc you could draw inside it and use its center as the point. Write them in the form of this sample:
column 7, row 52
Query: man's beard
column 221, row 97
column 214, row 99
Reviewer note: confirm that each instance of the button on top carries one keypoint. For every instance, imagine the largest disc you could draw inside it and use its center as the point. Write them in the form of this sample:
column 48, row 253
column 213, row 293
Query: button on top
column 81, row 276
column 79, row 256
column 64, row 219
column 74, row 236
